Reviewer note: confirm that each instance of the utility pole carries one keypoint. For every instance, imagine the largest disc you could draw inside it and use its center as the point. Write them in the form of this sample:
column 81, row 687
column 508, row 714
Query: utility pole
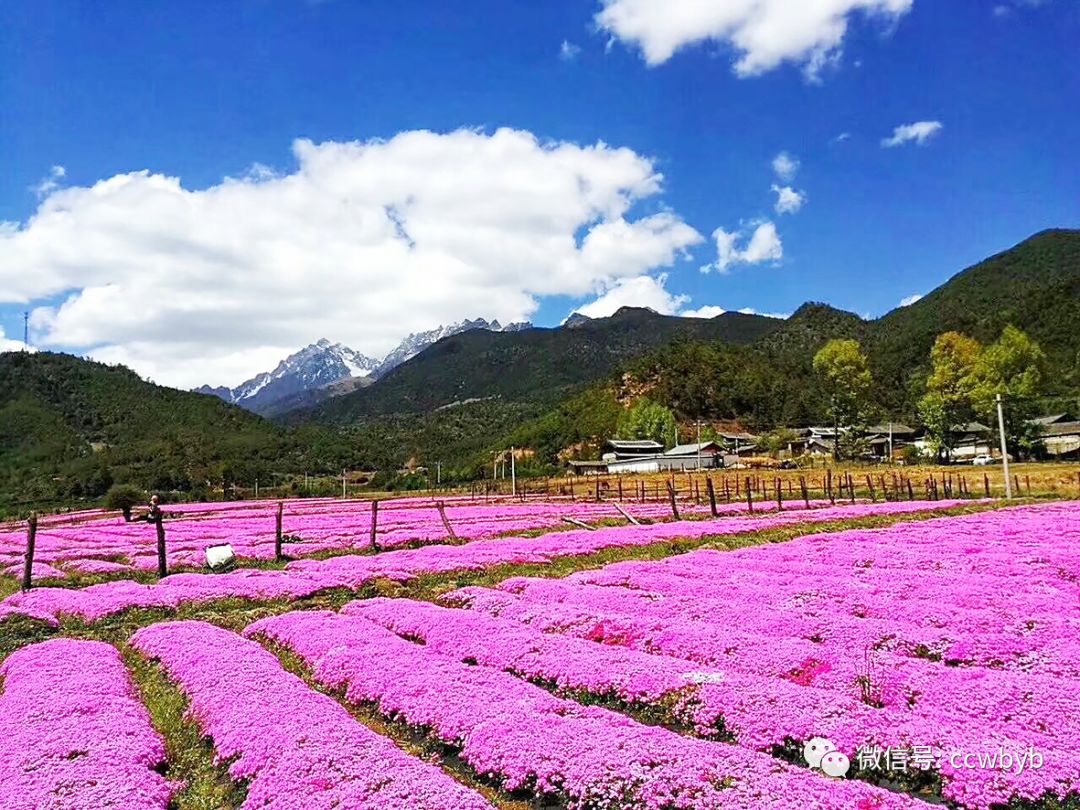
column 438, row 473
column 513, row 474
column 343, row 483
column 836, row 431
column 699, row 444
column 890, row 442
column 1004, row 448
column 26, row 330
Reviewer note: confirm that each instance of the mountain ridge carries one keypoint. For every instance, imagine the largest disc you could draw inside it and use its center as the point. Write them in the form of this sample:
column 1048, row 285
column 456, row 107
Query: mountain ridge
column 537, row 362
column 324, row 369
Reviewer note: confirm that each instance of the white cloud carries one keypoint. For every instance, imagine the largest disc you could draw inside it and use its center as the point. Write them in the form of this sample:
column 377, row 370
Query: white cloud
column 703, row 312
column 568, row 51
column 919, row 132
column 1006, row 9
column 713, row 311
column 785, row 166
column 7, row 345
column 763, row 33
column 50, row 182
column 640, row 291
column 363, row 242
column 779, row 315
column 788, row 200
column 764, row 245
column 843, row 136
column 911, row 299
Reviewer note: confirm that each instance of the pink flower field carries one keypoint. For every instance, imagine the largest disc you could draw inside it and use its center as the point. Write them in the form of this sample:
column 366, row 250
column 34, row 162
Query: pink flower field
column 97, row 542
column 306, row 577
column 932, row 662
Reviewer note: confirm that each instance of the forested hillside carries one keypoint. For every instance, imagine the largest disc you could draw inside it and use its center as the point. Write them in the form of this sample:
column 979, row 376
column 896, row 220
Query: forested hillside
column 1034, row 286
column 69, row 428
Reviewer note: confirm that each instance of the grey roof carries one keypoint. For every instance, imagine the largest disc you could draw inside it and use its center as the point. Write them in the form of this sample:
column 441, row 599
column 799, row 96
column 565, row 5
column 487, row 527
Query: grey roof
column 691, row 449
column 634, row 444
column 1062, row 429
column 897, row 427
column 971, row 427
column 1053, row 419
column 742, row 437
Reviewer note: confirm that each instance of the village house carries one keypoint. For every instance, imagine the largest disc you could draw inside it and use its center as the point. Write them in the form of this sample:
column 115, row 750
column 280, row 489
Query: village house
column 1060, row 435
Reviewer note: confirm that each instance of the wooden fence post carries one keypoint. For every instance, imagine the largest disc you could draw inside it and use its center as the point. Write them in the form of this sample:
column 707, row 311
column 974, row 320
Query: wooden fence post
column 805, row 492
column 162, row 562
column 374, row 524
column 445, row 520
column 749, row 496
column 28, row 563
column 580, row 524
column 629, row 518
column 712, row 495
column 851, row 487
column 779, row 496
column 277, row 532
column 829, row 487
column 671, row 497
column 870, row 486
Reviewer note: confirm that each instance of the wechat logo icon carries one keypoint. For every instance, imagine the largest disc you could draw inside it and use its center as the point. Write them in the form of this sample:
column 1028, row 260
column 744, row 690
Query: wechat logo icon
column 822, row 754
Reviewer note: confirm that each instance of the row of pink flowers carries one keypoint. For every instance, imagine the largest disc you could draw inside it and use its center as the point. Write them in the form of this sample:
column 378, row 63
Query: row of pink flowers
column 294, row 747
column 73, row 734
column 528, row 739
column 858, row 621
column 104, row 543
column 305, row 577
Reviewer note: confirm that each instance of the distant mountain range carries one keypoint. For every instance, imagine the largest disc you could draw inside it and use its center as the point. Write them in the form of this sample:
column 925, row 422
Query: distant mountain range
column 533, row 365
column 69, row 427
column 324, row 370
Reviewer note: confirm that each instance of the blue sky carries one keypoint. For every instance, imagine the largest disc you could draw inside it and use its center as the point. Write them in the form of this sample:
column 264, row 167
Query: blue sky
column 201, row 91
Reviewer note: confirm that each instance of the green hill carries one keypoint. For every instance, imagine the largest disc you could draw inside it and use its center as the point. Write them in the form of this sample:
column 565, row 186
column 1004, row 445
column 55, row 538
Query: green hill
column 1034, row 286
column 70, row 427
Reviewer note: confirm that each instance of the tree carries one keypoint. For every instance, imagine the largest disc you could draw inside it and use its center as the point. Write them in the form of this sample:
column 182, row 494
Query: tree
column 1014, row 367
column 776, row 441
column 845, row 374
column 949, row 389
column 649, row 420
column 124, row 497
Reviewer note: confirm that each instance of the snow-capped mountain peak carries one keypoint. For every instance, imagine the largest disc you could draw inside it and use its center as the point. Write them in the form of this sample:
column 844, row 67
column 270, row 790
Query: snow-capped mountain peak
column 314, row 366
column 418, row 341
column 322, row 364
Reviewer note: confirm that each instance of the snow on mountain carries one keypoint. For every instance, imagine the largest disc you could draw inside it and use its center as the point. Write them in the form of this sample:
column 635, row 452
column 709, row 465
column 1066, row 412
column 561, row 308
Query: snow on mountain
column 324, row 365
column 418, row 341
column 320, row 364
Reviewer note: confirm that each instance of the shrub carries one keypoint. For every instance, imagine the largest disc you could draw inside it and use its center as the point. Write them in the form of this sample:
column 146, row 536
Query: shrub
column 124, row 497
